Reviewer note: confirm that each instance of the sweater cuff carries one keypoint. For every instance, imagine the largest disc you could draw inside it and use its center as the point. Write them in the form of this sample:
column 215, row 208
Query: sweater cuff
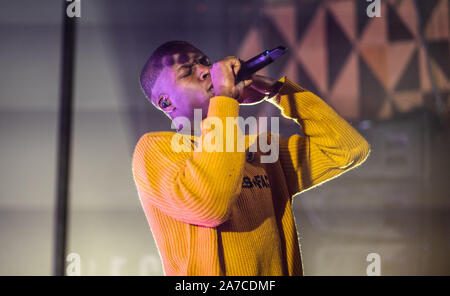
column 223, row 107
column 304, row 101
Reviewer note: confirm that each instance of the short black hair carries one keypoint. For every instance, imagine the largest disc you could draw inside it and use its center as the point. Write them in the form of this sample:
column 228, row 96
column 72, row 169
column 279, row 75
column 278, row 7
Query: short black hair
column 154, row 64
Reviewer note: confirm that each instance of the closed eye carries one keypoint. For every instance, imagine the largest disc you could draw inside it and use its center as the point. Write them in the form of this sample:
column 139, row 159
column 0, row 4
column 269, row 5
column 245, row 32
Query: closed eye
column 186, row 70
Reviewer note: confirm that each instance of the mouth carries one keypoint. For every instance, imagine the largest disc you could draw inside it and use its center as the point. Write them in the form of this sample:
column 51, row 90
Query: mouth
column 211, row 88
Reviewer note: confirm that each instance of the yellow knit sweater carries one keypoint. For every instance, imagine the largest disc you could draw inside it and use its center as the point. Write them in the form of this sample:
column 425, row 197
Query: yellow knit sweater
column 214, row 213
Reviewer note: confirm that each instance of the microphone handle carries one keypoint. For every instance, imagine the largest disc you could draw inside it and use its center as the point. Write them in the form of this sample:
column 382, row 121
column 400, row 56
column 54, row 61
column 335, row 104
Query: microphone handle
column 248, row 68
column 253, row 65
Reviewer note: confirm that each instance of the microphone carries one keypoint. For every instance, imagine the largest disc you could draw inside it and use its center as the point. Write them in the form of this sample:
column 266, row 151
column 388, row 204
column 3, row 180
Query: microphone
column 248, row 68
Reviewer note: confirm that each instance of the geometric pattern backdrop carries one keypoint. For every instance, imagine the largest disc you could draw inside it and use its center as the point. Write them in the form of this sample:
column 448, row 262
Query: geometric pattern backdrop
column 366, row 68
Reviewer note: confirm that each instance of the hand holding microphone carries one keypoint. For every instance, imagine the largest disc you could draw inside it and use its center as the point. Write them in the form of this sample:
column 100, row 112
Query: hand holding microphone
column 234, row 78
column 223, row 75
column 251, row 66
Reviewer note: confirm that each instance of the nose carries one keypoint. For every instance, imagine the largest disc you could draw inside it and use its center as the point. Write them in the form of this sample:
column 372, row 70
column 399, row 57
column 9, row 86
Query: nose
column 203, row 71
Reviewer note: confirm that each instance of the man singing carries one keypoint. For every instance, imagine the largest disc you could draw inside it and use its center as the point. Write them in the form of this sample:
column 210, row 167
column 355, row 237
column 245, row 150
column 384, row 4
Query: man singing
column 227, row 212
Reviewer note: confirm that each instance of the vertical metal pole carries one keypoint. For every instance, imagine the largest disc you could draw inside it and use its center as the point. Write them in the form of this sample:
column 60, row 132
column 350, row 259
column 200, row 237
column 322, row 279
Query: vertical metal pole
column 64, row 141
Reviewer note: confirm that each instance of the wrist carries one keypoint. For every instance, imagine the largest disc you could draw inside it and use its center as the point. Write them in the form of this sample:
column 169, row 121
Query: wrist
column 224, row 92
column 275, row 88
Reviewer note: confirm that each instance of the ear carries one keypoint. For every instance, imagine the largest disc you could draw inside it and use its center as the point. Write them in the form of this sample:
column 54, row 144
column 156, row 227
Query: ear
column 165, row 103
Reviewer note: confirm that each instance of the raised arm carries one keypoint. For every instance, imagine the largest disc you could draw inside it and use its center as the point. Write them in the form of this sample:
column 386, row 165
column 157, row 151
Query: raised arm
column 197, row 188
column 330, row 145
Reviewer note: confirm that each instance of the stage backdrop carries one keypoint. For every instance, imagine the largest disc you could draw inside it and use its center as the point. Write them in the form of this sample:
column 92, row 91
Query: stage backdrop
column 367, row 68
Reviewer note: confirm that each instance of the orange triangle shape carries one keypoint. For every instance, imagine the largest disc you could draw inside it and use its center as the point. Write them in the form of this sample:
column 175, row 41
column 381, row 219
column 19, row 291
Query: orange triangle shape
column 425, row 84
column 399, row 54
column 407, row 13
column 284, row 19
column 437, row 27
column 438, row 76
column 344, row 13
column 376, row 59
column 386, row 110
column 344, row 96
column 376, row 31
column 312, row 51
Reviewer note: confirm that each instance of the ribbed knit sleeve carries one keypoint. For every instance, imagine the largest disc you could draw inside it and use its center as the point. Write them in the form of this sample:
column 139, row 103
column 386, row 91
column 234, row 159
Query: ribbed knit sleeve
column 196, row 188
column 330, row 145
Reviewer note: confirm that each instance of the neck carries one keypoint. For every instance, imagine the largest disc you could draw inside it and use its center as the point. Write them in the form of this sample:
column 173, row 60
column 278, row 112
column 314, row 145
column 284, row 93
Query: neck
column 195, row 129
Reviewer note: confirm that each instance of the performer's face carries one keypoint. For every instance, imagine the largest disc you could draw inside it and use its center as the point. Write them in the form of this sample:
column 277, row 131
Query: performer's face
column 185, row 82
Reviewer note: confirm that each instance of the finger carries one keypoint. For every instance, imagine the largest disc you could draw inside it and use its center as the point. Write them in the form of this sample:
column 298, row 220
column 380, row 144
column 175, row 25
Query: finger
column 242, row 84
column 235, row 64
column 231, row 60
column 248, row 82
